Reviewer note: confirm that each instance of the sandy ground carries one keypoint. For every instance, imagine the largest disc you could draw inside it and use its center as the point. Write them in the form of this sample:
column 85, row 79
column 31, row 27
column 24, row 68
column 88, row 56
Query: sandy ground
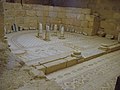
column 13, row 76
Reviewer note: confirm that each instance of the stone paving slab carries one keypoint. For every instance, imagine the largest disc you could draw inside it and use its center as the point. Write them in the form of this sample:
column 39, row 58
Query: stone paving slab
column 96, row 74
column 54, row 66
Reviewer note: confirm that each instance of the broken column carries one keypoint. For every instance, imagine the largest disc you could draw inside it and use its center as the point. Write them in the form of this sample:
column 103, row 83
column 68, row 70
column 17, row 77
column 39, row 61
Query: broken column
column 5, row 31
column 62, row 33
column 118, row 29
column 72, row 29
column 40, row 31
column 15, row 28
column 119, row 37
column 55, row 30
column 77, row 54
column 47, row 33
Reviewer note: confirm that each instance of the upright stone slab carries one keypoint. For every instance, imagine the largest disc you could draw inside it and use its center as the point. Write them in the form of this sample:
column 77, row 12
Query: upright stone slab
column 72, row 29
column 47, row 33
column 5, row 31
column 51, row 27
column 118, row 29
column 119, row 37
column 40, row 31
column 15, row 28
column 55, row 30
column 62, row 33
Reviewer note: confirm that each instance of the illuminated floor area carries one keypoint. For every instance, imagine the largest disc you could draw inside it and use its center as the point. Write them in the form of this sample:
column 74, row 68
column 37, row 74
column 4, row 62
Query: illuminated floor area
column 96, row 74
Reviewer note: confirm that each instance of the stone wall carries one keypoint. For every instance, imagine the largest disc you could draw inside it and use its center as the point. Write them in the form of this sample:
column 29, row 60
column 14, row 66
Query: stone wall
column 109, row 11
column 29, row 15
column 1, row 22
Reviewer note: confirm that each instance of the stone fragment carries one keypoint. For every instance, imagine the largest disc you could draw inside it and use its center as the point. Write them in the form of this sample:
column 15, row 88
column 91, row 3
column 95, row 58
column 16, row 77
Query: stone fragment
column 41, row 67
column 36, row 73
column 108, row 36
column 71, row 61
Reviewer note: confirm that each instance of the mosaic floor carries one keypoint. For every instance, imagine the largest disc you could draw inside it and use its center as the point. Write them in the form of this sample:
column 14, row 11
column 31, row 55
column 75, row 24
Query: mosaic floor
column 28, row 47
column 97, row 74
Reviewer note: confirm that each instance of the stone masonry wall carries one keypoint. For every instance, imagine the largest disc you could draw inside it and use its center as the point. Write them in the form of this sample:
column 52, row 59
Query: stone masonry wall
column 1, row 22
column 29, row 15
column 109, row 11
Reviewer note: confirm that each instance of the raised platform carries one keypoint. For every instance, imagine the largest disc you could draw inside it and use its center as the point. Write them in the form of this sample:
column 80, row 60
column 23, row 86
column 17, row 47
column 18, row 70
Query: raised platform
column 56, row 54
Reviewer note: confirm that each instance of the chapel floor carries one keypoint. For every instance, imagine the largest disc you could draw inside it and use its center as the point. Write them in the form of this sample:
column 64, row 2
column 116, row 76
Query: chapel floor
column 96, row 74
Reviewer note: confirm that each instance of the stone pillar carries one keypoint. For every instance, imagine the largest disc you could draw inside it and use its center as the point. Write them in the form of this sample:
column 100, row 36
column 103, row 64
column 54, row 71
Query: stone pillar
column 119, row 37
column 55, row 30
column 47, row 33
column 51, row 27
column 118, row 29
column 5, row 31
column 62, row 33
column 40, row 31
column 72, row 29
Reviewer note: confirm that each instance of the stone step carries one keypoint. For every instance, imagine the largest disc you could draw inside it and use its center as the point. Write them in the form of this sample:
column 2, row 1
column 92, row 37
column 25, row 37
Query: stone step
column 114, row 48
column 52, row 65
column 110, row 48
column 47, row 59
column 55, row 66
column 90, row 54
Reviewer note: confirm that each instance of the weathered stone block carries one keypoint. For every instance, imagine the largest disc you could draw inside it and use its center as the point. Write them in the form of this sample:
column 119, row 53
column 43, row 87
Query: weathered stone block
column 17, row 6
column 84, row 24
column 46, row 13
column 19, row 20
column 45, row 8
column 86, row 11
column 71, row 61
column 90, row 24
column 76, row 23
column 70, row 15
column 9, row 20
column 37, row 7
column 27, row 7
column 57, row 9
column 61, row 15
column 8, row 6
column 54, row 66
column 53, row 14
column 39, row 13
column 36, row 73
column 88, row 31
column 41, row 67
column 30, row 13
column 9, row 13
column 89, row 18
column 80, row 17
column 51, row 8
column 116, row 15
column 19, row 13
column 108, row 27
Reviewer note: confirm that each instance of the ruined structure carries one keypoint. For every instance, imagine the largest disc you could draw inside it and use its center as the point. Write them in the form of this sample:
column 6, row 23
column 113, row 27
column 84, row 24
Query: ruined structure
column 59, row 44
